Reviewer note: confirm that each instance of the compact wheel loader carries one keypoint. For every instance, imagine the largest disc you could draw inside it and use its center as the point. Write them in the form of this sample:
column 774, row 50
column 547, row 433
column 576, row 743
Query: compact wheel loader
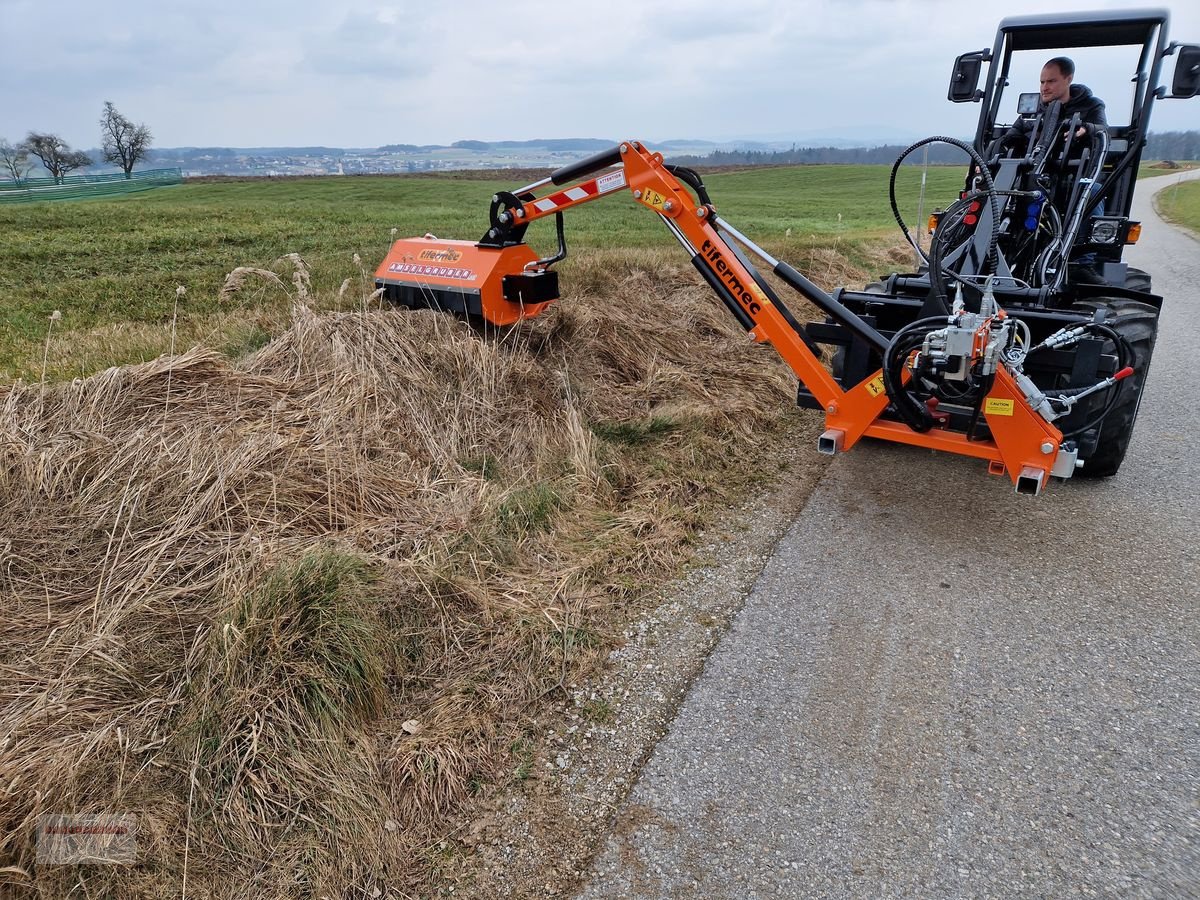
column 992, row 349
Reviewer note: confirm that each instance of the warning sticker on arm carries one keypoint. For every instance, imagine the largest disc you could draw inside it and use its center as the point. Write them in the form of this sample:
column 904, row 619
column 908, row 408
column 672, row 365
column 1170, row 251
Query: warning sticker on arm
column 610, row 182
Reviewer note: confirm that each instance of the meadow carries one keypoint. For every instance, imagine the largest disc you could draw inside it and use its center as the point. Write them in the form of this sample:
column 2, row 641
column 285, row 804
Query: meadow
column 112, row 267
column 1180, row 203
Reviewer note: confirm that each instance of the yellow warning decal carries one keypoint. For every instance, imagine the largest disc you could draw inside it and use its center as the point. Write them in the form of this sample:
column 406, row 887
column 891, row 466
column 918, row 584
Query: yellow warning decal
column 875, row 386
column 995, row 407
column 653, row 199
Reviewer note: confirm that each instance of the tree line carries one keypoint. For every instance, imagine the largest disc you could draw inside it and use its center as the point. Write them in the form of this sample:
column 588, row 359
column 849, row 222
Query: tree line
column 122, row 142
column 1174, row 145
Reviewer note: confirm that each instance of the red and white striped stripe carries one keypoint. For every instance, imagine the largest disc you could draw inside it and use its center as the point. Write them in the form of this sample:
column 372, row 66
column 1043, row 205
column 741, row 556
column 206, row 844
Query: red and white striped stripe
column 579, row 193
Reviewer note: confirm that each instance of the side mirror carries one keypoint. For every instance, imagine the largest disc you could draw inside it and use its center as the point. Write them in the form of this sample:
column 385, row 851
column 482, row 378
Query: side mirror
column 964, row 82
column 1187, row 72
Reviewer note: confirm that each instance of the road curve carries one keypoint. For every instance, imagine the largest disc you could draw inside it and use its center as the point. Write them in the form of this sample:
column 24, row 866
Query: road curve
column 941, row 689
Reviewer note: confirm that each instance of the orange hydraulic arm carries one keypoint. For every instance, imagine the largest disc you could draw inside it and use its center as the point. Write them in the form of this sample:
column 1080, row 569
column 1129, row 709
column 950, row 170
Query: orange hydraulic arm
column 1023, row 444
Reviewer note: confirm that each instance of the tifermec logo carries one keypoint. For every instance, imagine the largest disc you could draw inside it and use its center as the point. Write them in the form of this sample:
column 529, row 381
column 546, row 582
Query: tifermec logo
column 446, row 255
column 744, row 294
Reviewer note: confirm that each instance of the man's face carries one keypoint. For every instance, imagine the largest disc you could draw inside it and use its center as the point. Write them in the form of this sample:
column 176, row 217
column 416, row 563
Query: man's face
column 1055, row 85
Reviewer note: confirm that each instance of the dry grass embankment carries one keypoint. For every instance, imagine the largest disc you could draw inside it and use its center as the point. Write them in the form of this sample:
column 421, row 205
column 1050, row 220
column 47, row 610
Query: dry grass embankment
column 290, row 610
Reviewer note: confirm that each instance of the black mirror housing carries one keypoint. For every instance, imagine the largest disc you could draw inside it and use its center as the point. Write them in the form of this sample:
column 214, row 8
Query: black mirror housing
column 964, row 82
column 1186, row 82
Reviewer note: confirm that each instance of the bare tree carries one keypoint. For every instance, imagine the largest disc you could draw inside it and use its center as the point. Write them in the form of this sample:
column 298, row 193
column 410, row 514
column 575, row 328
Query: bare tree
column 55, row 153
column 14, row 161
column 124, row 143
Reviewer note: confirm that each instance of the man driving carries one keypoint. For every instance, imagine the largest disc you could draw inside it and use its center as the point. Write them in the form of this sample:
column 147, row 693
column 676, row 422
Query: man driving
column 1057, row 83
column 1057, row 80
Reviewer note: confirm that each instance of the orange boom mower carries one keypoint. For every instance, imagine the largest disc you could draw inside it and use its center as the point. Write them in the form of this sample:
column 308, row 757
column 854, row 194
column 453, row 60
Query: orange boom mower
column 990, row 350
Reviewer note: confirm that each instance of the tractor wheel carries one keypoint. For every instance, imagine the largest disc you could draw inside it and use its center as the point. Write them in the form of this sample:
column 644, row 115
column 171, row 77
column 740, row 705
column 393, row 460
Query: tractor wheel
column 1137, row 280
column 1138, row 324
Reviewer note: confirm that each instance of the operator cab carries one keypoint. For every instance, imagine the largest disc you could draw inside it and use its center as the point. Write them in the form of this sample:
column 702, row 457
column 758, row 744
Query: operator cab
column 1007, row 242
column 1119, row 56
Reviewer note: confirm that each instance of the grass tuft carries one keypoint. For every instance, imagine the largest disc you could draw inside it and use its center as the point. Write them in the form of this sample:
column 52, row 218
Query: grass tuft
column 635, row 434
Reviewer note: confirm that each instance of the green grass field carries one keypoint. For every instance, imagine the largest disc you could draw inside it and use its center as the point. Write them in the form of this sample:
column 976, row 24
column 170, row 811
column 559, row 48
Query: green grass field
column 1152, row 169
column 1181, row 204
column 117, row 262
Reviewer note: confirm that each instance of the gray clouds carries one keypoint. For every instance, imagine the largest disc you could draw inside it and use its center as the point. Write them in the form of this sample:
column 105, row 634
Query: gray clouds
column 301, row 73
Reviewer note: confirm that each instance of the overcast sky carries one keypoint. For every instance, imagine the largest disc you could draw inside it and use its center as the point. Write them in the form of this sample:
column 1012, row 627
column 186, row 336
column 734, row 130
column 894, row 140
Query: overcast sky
column 362, row 74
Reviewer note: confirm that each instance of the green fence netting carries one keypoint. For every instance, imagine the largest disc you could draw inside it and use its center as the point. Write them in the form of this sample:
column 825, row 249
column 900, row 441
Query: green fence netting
column 78, row 187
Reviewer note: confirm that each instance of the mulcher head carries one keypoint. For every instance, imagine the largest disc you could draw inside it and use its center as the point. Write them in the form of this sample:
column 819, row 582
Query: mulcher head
column 498, row 284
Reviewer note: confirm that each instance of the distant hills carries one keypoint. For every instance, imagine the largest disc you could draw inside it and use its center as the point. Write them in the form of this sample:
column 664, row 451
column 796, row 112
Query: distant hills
column 542, row 153
column 538, row 153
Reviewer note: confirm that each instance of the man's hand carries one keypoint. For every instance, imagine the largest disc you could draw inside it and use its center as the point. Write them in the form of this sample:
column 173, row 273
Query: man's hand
column 1083, row 131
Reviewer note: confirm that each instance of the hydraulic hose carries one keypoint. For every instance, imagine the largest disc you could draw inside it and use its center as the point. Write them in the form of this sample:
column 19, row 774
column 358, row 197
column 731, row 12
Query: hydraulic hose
column 1124, row 358
column 990, row 186
column 913, row 413
column 1118, row 170
column 1082, row 197
column 691, row 178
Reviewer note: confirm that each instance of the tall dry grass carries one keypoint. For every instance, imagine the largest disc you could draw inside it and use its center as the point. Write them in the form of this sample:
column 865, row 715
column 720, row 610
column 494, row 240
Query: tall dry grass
column 291, row 609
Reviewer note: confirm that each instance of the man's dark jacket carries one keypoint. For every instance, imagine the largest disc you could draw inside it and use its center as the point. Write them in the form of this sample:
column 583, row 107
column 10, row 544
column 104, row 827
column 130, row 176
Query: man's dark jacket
column 1088, row 105
column 1082, row 101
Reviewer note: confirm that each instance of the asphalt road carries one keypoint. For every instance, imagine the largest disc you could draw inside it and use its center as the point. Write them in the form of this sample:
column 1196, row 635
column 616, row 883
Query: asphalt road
column 941, row 689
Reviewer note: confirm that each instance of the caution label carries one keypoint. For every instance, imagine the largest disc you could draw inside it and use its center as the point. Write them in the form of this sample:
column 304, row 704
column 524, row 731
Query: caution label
column 994, row 407
column 875, row 386
column 653, row 199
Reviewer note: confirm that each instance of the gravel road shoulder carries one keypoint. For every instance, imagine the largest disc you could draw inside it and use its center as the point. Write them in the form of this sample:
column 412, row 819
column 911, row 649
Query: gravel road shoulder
column 536, row 836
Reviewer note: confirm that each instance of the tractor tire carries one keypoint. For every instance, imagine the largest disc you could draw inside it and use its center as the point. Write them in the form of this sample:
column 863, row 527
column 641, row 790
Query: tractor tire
column 1137, row 280
column 1138, row 324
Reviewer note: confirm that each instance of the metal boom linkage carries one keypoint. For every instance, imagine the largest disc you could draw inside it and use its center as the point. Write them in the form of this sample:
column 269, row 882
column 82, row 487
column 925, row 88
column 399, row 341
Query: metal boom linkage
column 1023, row 444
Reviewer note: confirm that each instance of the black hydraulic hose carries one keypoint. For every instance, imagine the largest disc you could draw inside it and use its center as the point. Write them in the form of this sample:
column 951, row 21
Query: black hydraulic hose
column 1079, row 203
column 1113, row 176
column 910, row 410
column 1113, row 393
column 949, row 227
column 1045, row 142
column 1124, row 358
column 691, row 178
column 913, row 413
column 984, row 390
column 947, row 233
column 948, row 230
column 989, row 184
column 548, row 261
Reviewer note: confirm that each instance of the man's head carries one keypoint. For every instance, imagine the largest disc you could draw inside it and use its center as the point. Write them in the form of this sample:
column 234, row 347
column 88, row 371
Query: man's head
column 1057, row 75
